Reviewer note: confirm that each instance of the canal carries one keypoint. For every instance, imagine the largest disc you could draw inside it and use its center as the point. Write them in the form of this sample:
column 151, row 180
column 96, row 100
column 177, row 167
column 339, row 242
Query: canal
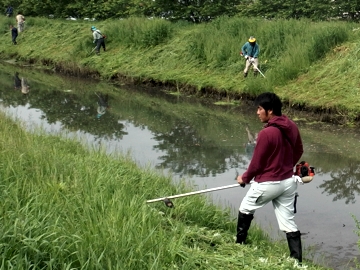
column 201, row 142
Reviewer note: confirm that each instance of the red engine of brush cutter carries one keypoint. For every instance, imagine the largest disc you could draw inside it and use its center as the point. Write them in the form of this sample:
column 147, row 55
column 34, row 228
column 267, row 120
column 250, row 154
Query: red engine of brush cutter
column 305, row 171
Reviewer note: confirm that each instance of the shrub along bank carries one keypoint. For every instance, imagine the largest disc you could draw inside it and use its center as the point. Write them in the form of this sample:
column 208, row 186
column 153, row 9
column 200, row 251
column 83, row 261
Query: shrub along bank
column 311, row 65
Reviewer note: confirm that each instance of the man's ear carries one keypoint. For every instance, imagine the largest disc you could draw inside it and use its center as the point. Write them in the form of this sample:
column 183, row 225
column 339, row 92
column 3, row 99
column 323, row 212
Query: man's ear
column 270, row 112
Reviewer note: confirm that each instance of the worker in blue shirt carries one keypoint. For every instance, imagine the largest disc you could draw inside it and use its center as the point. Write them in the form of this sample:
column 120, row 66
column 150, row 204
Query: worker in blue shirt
column 250, row 50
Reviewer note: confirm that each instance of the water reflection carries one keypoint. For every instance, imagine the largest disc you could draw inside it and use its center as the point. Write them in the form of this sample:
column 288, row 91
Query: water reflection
column 202, row 142
column 251, row 143
column 194, row 143
column 249, row 149
column 344, row 183
column 74, row 113
column 17, row 81
column 189, row 153
column 103, row 104
column 251, row 137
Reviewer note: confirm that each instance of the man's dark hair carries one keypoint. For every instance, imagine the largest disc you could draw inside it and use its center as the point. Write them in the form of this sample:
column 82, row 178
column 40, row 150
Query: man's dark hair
column 269, row 101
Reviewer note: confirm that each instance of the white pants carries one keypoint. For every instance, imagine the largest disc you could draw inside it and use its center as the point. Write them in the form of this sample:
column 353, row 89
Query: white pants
column 248, row 65
column 20, row 26
column 282, row 195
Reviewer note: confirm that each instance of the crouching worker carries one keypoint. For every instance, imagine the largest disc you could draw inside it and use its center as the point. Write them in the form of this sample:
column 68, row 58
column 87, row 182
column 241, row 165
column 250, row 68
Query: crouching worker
column 98, row 39
column 250, row 50
column 278, row 149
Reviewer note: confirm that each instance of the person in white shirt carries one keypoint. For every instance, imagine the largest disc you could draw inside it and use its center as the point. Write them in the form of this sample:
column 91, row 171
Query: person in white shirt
column 98, row 39
column 20, row 20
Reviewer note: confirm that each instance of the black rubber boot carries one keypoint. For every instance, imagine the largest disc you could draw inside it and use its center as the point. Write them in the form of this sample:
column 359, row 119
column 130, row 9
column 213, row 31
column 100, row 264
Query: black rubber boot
column 294, row 243
column 243, row 226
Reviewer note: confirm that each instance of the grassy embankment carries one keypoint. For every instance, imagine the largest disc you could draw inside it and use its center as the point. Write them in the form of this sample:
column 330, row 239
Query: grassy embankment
column 67, row 208
column 312, row 65
column 69, row 214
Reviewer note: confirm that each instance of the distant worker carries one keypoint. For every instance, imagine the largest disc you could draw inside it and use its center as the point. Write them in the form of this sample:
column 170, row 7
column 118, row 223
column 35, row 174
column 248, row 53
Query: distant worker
column 20, row 20
column 98, row 39
column 14, row 34
column 250, row 50
column 9, row 11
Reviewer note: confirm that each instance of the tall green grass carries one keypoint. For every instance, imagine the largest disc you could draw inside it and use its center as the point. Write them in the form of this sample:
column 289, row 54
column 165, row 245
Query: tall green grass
column 140, row 32
column 357, row 222
column 196, row 57
column 288, row 47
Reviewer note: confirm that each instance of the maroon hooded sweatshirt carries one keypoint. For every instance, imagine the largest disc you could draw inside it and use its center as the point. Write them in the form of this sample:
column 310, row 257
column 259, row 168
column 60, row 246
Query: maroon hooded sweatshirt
column 278, row 149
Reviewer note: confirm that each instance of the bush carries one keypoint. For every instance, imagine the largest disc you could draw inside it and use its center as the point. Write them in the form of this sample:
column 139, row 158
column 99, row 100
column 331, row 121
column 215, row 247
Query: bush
column 140, row 32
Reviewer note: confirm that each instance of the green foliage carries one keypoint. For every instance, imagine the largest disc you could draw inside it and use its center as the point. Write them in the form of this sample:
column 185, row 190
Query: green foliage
column 190, row 10
column 287, row 47
column 315, row 9
column 195, row 11
column 357, row 222
column 140, row 32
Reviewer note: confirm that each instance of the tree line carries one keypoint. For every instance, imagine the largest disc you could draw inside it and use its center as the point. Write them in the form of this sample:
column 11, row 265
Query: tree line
column 190, row 10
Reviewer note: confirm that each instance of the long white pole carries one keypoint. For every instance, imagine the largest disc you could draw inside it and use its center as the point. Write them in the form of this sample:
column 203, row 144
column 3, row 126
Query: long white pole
column 258, row 70
column 193, row 193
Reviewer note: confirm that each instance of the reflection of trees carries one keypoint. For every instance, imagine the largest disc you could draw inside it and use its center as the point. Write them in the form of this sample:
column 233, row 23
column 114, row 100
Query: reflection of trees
column 345, row 183
column 249, row 149
column 188, row 154
column 74, row 114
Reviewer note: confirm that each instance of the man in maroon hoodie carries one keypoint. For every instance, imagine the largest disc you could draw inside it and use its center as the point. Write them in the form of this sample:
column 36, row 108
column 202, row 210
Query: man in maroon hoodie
column 278, row 149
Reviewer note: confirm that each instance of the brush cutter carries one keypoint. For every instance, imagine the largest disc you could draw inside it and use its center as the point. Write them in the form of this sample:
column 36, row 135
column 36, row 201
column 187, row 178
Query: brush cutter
column 91, row 51
column 258, row 69
column 169, row 203
column 254, row 65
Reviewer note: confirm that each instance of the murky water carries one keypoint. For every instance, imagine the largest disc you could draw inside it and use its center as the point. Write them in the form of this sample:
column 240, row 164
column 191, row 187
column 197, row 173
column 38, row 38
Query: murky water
column 203, row 143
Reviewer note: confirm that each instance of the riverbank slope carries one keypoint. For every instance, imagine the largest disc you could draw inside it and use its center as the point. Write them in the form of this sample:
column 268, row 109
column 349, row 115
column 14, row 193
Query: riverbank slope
column 66, row 207
column 312, row 66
